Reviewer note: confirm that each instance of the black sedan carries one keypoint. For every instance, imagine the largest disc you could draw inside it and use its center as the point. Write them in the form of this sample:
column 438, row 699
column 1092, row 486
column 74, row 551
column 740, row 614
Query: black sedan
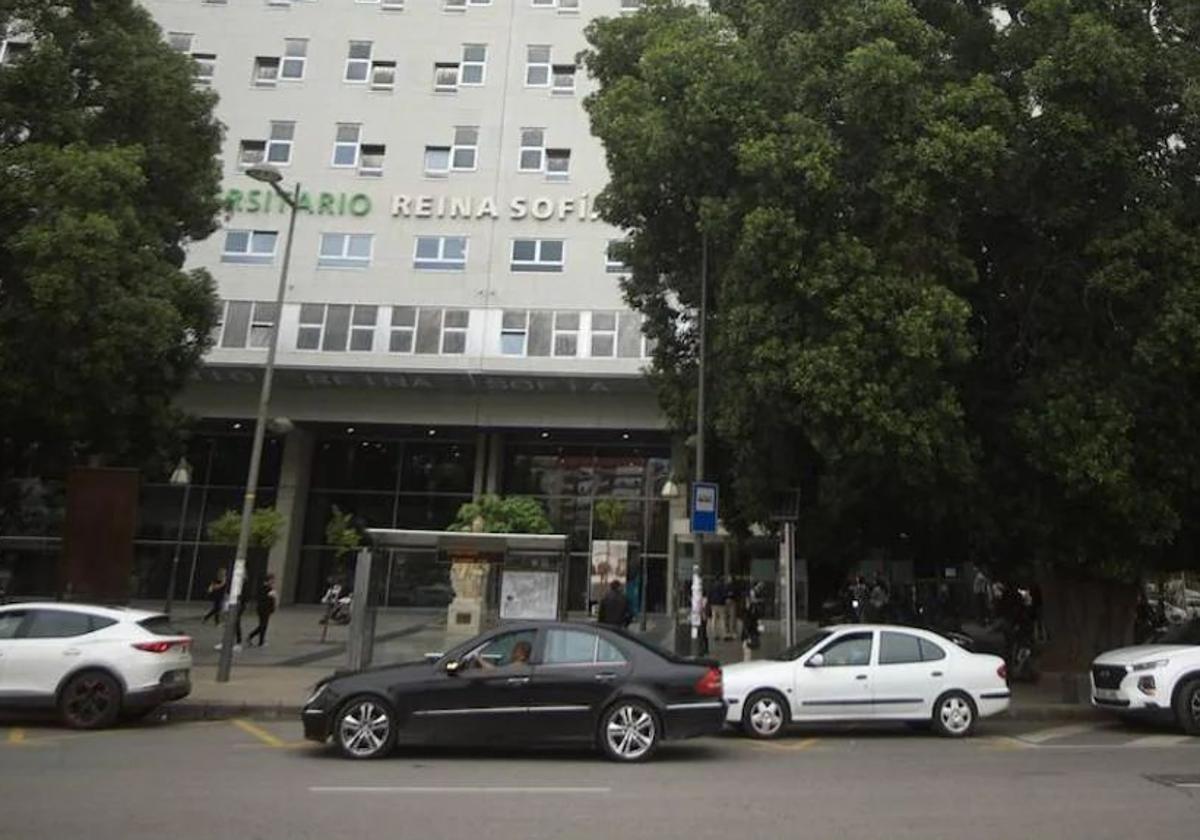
column 535, row 682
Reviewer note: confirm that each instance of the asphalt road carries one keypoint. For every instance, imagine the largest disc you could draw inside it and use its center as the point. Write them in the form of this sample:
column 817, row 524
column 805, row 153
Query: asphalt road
column 250, row 780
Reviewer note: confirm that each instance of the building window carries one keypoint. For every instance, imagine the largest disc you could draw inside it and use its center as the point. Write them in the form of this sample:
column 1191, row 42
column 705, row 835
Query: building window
column 383, row 75
column 629, row 335
column 563, row 79
column 404, row 329
column 454, row 5
column 370, row 161
column 440, row 253
column 11, row 51
column 460, row 157
column 180, row 41
column 474, row 64
column 566, row 334
column 628, row 6
column 445, row 77
column 533, row 149
column 346, row 145
column 558, row 164
column 206, row 66
column 514, row 329
column 247, row 324
column 437, row 330
column 604, row 335
column 358, row 61
column 256, row 247
column 336, row 327
column 345, row 250
column 537, row 255
column 295, row 58
column 277, row 150
column 614, row 262
column 537, row 66
column 392, row 5
column 266, row 71
column 568, row 6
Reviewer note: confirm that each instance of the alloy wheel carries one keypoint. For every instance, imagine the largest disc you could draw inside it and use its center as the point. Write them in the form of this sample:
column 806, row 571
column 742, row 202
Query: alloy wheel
column 630, row 732
column 364, row 729
column 1196, row 706
column 956, row 715
column 766, row 716
column 89, row 700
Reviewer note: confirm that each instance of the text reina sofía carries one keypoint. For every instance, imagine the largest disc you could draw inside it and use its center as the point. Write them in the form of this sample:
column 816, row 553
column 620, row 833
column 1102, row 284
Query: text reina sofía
column 520, row 207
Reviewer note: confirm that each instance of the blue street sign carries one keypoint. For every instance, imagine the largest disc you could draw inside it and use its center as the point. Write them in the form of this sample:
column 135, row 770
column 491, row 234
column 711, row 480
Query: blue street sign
column 704, row 508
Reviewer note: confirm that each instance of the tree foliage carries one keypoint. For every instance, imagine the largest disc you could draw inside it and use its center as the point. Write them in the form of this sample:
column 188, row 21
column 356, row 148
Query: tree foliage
column 954, row 263
column 265, row 526
column 509, row 515
column 341, row 533
column 108, row 154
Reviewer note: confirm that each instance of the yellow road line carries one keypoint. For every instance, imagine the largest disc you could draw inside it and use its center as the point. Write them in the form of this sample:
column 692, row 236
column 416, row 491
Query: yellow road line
column 259, row 733
column 16, row 735
column 1005, row 742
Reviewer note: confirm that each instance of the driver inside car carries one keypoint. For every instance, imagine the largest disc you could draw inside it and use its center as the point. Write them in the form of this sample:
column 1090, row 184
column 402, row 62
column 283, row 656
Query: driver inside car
column 519, row 655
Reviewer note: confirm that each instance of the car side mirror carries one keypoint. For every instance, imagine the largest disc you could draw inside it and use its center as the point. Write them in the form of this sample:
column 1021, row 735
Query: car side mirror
column 453, row 667
column 817, row 661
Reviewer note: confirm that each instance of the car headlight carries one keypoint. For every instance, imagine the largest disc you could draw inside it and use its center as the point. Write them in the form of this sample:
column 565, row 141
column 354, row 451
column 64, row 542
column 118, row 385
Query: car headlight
column 1149, row 666
column 316, row 695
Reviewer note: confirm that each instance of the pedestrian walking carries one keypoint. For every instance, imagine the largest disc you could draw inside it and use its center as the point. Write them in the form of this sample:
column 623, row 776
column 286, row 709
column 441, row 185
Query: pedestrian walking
column 716, row 601
column 751, row 614
column 216, row 595
column 614, row 607
column 982, row 588
column 266, row 599
column 879, row 599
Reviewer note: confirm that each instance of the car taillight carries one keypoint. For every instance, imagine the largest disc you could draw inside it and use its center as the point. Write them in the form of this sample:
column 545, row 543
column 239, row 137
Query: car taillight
column 710, row 684
column 163, row 647
column 1002, row 672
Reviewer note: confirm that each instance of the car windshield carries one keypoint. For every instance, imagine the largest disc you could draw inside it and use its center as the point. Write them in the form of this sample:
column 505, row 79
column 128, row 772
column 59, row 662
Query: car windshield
column 1187, row 633
column 800, row 648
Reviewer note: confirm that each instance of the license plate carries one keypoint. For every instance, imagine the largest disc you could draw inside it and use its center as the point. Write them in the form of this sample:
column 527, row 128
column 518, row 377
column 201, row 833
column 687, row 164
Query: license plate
column 1106, row 694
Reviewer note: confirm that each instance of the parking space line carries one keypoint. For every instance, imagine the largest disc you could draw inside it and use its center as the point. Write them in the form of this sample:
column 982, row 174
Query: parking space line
column 16, row 735
column 1160, row 741
column 1043, row 735
column 1004, row 742
column 258, row 732
column 481, row 789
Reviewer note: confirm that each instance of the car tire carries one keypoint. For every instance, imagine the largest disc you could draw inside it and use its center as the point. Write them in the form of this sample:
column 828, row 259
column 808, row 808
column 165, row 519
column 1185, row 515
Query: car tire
column 765, row 715
column 1187, row 707
column 630, row 731
column 954, row 715
column 364, row 728
column 90, row 700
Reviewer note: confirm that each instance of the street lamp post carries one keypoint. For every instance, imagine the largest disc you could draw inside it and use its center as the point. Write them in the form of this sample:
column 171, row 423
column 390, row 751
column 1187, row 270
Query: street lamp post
column 272, row 176
column 698, row 568
column 181, row 477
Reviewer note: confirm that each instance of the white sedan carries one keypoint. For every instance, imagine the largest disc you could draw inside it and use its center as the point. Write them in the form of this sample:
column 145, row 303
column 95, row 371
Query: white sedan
column 90, row 663
column 862, row 672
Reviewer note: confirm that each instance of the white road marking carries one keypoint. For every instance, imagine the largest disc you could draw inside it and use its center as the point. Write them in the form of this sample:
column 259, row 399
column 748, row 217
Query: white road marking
column 1043, row 735
column 1160, row 741
column 457, row 789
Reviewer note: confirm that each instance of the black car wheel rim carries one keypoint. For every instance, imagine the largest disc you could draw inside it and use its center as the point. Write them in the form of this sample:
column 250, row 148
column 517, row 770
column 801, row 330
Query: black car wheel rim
column 364, row 728
column 1196, row 705
column 955, row 714
column 89, row 699
column 766, row 716
column 630, row 732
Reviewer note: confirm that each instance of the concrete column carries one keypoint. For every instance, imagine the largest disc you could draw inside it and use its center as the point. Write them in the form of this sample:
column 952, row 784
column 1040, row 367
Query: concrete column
column 292, row 502
column 480, row 465
column 495, row 461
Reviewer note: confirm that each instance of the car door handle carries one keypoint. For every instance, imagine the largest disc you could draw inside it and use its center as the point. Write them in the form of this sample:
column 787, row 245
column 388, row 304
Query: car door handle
column 605, row 677
column 936, row 674
column 861, row 677
column 71, row 652
column 517, row 680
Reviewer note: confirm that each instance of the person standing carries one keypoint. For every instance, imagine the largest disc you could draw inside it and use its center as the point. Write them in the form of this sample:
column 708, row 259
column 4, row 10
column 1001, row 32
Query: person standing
column 265, row 601
column 751, row 614
column 614, row 607
column 982, row 589
column 215, row 594
column 716, row 600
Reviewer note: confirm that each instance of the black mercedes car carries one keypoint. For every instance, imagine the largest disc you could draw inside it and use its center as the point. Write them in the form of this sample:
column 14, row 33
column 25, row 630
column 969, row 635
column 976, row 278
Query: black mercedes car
column 534, row 682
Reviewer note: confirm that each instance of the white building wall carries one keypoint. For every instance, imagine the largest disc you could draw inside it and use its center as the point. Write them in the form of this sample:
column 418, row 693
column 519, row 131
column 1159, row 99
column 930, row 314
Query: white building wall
column 406, row 119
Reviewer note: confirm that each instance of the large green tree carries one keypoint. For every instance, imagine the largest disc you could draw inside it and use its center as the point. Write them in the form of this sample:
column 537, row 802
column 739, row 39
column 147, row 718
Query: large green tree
column 954, row 268
column 109, row 160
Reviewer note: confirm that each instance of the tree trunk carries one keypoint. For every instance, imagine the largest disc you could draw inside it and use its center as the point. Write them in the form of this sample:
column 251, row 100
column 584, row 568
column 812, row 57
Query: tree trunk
column 1083, row 617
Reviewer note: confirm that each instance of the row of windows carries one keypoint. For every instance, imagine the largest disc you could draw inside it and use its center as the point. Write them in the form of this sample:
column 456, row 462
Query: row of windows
column 565, row 6
column 430, row 253
column 364, row 67
column 423, row 330
column 460, row 154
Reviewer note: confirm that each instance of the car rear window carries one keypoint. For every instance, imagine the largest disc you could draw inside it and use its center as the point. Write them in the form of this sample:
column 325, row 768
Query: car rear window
column 159, row 625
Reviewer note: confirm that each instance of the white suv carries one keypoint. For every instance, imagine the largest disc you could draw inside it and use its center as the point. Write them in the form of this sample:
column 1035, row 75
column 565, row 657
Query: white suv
column 1159, row 679
column 90, row 663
